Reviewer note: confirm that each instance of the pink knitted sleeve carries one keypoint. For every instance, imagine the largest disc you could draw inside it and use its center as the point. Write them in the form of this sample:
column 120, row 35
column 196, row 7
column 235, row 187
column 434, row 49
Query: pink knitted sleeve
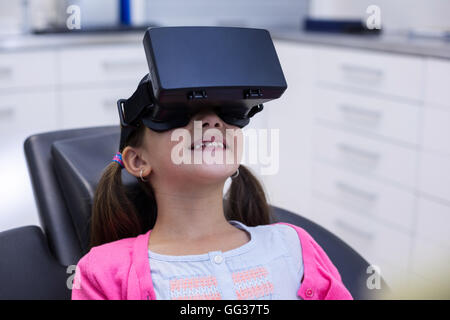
column 84, row 286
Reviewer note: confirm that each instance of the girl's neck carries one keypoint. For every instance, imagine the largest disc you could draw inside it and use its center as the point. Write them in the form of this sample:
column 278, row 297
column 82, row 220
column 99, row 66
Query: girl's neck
column 192, row 217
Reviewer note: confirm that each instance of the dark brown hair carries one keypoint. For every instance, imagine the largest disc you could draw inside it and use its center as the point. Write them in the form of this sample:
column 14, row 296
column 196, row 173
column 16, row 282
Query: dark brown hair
column 115, row 215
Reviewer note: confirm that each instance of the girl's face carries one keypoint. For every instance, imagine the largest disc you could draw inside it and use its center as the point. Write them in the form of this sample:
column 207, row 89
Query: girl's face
column 194, row 153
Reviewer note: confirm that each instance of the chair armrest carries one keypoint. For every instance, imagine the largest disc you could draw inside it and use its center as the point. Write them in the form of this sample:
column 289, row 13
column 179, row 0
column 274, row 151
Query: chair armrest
column 27, row 269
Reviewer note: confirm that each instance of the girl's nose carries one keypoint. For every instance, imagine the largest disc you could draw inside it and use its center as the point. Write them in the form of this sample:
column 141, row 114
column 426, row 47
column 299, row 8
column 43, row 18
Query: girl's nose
column 210, row 119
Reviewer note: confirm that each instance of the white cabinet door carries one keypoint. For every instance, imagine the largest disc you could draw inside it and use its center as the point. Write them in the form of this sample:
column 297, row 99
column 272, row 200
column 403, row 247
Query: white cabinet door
column 27, row 69
column 434, row 175
column 383, row 73
column 21, row 115
column 382, row 117
column 436, row 130
column 292, row 116
column 92, row 107
column 16, row 194
column 103, row 64
column 371, row 157
column 437, row 83
column 433, row 221
column 25, row 114
column 367, row 197
column 430, row 260
column 379, row 244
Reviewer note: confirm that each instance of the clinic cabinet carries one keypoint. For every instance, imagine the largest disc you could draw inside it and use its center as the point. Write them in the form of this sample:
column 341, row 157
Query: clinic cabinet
column 374, row 167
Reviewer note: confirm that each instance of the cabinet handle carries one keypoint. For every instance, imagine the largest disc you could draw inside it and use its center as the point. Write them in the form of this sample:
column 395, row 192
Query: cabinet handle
column 6, row 112
column 359, row 74
column 372, row 156
column 353, row 229
column 115, row 66
column 371, row 115
column 369, row 196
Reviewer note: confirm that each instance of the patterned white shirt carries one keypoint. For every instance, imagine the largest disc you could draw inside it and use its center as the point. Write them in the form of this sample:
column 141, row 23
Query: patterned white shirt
column 268, row 267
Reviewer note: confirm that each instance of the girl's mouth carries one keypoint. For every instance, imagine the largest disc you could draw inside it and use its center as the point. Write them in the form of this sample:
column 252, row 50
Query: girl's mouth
column 208, row 145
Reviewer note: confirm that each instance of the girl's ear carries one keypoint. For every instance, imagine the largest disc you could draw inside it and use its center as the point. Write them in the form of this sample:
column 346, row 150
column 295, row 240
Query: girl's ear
column 134, row 162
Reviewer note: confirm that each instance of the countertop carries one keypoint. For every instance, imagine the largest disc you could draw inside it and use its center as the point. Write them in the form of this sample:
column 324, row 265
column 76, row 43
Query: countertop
column 52, row 41
column 401, row 44
column 394, row 43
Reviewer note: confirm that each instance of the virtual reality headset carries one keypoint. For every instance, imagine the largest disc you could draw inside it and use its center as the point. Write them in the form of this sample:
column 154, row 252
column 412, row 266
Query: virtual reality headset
column 229, row 70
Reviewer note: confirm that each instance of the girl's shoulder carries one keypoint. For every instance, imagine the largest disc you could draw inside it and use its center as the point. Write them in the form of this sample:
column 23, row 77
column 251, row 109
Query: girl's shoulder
column 105, row 269
column 275, row 240
column 112, row 255
column 114, row 248
column 322, row 279
column 279, row 233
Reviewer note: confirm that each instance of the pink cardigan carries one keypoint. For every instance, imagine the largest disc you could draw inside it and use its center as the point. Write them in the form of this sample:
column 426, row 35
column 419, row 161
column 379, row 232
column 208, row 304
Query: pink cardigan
column 121, row 270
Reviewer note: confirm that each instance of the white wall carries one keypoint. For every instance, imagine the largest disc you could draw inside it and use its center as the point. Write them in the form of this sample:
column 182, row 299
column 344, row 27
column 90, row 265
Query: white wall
column 396, row 15
column 256, row 13
column 10, row 16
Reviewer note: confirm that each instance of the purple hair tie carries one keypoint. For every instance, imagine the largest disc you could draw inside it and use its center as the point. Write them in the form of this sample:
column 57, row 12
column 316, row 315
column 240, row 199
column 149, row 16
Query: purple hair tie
column 118, row 158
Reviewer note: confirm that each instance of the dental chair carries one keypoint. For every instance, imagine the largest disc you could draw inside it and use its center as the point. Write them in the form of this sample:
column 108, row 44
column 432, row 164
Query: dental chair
column 64, row 166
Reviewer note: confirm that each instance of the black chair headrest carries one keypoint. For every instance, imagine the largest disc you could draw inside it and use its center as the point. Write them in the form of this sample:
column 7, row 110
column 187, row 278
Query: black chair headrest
column 79, row 163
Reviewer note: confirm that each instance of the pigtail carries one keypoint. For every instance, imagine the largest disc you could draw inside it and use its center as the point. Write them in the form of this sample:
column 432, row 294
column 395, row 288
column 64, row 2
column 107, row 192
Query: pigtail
column 245, row 200
column 113, row 214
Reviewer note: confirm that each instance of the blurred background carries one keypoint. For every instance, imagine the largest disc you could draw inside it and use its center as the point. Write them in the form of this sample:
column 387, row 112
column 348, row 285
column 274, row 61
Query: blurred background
column 364, row 124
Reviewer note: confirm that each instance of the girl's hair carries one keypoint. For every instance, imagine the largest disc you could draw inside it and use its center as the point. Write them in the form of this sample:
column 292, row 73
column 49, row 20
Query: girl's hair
column 115, row 215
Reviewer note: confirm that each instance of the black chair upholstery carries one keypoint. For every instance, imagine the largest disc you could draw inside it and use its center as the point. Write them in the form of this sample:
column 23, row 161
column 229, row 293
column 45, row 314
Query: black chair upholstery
column 27, row 268
column 65, row 167
column 79, row 179
column 52, row 208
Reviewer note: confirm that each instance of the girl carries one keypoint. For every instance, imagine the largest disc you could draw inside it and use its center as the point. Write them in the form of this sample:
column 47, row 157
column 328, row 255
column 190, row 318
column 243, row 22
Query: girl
column 191, row 244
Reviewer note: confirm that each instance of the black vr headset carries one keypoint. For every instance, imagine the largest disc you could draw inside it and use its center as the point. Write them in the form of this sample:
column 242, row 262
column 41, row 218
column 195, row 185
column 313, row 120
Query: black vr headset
column 229, row 70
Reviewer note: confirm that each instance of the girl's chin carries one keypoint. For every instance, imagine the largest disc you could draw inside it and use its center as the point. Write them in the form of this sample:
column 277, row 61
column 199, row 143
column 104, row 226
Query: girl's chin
column 212, row 171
